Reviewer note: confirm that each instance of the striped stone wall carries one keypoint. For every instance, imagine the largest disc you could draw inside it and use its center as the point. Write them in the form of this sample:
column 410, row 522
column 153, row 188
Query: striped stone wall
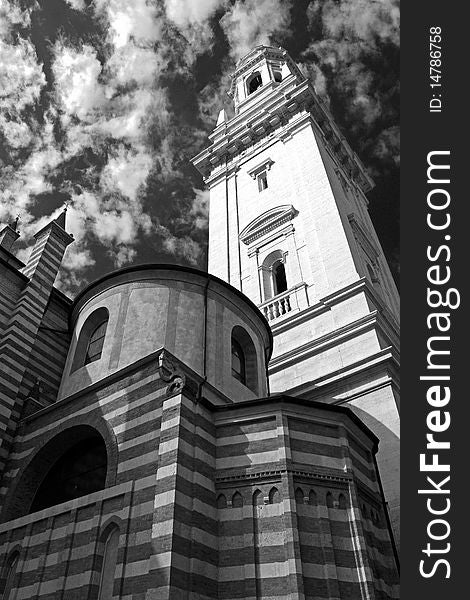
column 22, row 325
column 254, row 500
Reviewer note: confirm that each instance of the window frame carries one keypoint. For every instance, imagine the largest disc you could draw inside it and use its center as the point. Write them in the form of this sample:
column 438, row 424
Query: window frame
column 92, row 340
column 262, row 179
column 240, row 354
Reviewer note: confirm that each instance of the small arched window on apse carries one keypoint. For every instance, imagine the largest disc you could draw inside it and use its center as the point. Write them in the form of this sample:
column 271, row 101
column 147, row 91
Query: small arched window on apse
column 91, row 339
column 244, row 360
column 108, row 568
column 258, row 499
column 253, row 82
column 274, row 496
column 277, row 76
column 312, row 498
column 9, row 575
column 238, row 362
column 221, row 501
column 274, row 274
column 237, row 500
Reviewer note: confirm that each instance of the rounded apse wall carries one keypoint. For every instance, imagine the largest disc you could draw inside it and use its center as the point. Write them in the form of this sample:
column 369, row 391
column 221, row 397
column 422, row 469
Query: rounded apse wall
column 136, row 311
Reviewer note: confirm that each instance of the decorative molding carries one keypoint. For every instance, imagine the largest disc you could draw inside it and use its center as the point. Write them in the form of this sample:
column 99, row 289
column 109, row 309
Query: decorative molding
column 263, row 166
column 266, row 222
column 363, row 239
column 277, row 473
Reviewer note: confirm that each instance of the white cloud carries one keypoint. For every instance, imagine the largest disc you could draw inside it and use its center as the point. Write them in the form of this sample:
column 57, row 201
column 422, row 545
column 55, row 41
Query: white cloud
column 78, row 91
column 187, row 12
column 20, row 184
column 251, row 23
column 21, row 82
column 130, row 22
column 126, row 171
column 77, row 4
column 11, row 13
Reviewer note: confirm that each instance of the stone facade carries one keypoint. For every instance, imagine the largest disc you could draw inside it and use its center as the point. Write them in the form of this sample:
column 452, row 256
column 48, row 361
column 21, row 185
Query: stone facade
column 143, row 454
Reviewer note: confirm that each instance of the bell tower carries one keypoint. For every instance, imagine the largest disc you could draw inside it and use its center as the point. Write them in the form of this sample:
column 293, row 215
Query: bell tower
column 289, row 227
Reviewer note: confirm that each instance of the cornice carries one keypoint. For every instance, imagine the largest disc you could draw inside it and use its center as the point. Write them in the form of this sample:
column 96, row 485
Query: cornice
column 274, row 112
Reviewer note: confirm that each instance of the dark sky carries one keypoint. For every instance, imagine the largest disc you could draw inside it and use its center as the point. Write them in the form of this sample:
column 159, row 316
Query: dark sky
column 103, row 103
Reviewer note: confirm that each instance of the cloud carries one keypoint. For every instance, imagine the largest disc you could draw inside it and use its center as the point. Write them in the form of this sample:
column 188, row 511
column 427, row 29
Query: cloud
column 200, row 209
column 78, row 91
column 21, row 80
column 135, row 22
column 187, row 12
column 254, row 22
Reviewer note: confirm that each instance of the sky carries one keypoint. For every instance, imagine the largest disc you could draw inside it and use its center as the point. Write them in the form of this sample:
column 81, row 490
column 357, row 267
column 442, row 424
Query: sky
column 104, row 102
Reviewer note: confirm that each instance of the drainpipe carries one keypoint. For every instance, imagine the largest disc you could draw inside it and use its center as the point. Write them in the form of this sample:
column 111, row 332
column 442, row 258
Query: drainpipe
column 204, row 346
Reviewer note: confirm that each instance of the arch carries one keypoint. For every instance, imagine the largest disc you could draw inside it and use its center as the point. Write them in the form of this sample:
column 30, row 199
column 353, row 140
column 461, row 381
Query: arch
column 91, row 339
column 342, row 502
column 274, row 496
column 274, row 274
column 253, row 82
column 299, row 496
column 258, row 498
column 312, row 498
column 364, row 511
column 9, row 575
column 110, row 541
column 237, row 500
column 238, row 361
column 221, row 501
column 51, row 449
column 79, row 471
column 244, row 359
column 277, row 76
column 279, row 277
column 329, row 500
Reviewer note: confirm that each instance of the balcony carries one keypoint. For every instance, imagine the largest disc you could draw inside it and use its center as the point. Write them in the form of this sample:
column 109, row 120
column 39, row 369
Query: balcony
column 290, row 301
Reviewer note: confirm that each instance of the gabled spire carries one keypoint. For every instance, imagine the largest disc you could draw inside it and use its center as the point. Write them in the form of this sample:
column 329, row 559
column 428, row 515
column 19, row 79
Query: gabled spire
column 9, row 235
column 61, row 218
column 14, row 224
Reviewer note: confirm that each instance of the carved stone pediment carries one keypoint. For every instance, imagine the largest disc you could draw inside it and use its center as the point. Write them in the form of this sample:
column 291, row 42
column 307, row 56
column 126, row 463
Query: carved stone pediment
column 266, row 222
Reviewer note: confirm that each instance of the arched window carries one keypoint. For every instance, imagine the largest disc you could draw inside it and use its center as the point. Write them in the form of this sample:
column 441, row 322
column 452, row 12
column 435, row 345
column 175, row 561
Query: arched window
column 95, row 343
column 279, row 277
column 91, row 339
column 238, row 362
column 258, row 499
column 108, row 568
column 299, row 496
column 342, row 502
column 274, row 496
column 221, row 501
column 237, row 500
column 274, row 274
column 329, row 500
column 253, row 83
column 81, row 470
column 277, row 76
column 312, row 498
column 9, row 575
column 244, row 360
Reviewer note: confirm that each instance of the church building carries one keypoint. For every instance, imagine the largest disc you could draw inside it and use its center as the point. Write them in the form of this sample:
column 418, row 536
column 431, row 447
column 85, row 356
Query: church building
column 176, row 434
